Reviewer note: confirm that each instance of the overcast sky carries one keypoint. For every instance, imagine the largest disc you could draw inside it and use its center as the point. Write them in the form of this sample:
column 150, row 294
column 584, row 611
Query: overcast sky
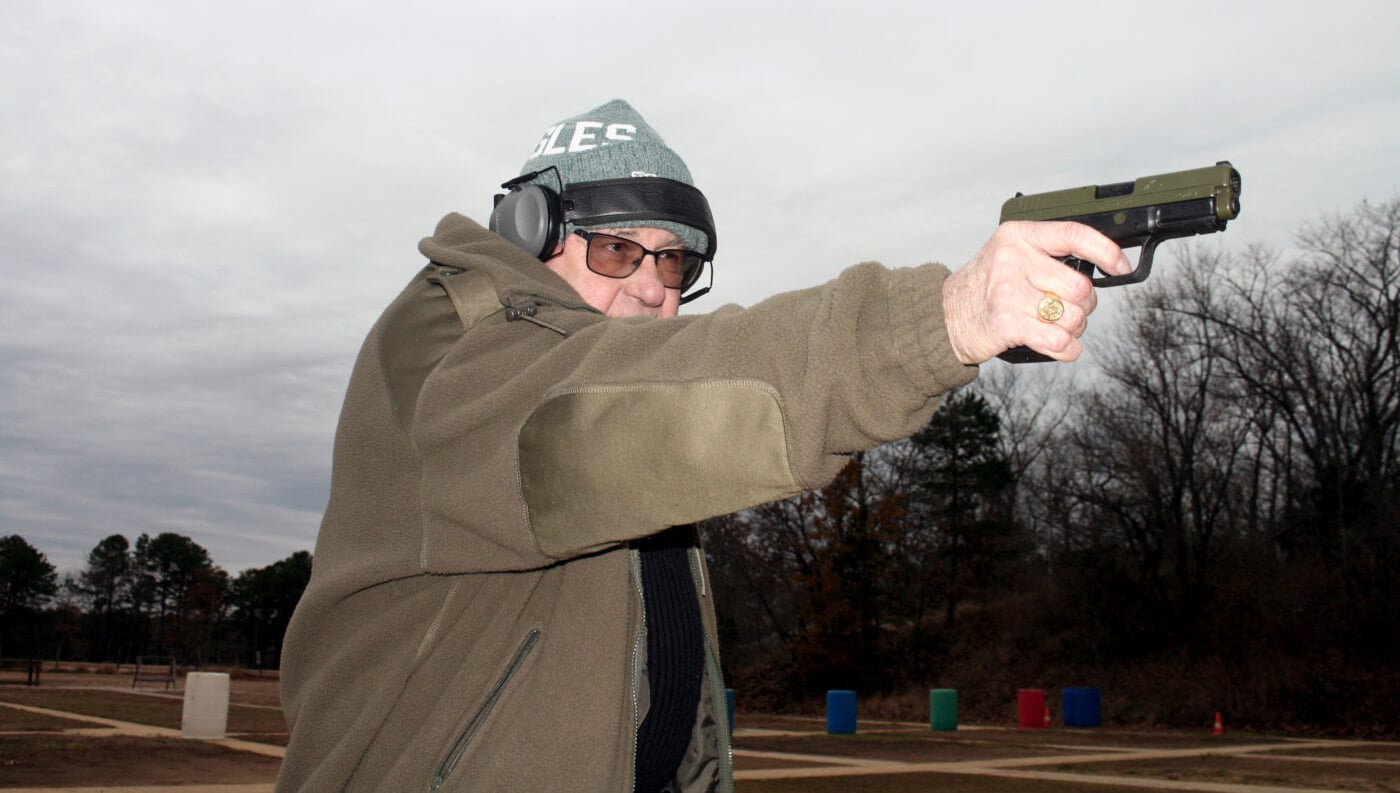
column 204, row 206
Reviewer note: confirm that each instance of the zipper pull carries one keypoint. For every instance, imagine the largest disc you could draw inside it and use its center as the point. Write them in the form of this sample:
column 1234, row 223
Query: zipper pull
column 527, row 311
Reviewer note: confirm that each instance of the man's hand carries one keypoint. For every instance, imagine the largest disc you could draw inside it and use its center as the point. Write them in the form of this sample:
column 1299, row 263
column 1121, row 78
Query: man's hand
column 991, row 303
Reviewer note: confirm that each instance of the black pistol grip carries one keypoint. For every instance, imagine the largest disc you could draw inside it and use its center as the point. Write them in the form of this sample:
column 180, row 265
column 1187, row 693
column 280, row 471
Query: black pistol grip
column 1024, row 354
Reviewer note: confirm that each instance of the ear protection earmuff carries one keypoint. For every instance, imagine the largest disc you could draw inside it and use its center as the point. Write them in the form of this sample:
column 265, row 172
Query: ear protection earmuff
column 533, row 216
column 530, row 217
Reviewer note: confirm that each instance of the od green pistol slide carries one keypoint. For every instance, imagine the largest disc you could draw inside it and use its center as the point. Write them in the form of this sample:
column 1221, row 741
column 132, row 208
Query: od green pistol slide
column 1144, row 212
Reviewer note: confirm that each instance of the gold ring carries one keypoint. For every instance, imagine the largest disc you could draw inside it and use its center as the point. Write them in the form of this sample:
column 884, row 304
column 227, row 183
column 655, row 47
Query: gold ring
column 1051, row 308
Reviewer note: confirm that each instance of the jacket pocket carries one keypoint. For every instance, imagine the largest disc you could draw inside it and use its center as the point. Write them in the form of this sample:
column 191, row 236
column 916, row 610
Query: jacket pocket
column 473, row 725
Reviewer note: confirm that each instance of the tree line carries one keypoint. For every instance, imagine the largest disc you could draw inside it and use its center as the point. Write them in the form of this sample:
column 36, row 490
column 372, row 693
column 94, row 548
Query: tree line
column 159, row 596
column 1207, row 520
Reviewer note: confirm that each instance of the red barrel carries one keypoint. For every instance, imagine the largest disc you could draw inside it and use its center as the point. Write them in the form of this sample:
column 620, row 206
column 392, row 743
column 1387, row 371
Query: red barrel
column 1030, row 708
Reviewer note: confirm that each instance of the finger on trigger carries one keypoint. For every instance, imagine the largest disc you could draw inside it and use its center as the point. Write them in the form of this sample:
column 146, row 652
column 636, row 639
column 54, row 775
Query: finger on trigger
column 1091, row 245
column 1068, row 283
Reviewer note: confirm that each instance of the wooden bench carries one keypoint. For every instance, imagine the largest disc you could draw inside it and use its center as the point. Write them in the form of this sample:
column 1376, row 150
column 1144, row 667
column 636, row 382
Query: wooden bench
column 31, row 666
column 154, row 669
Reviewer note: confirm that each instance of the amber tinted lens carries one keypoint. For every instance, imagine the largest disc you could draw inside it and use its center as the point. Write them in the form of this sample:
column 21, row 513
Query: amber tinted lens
column 690, row 273
column 616, row 257
column 678, row 268
column 612, row 256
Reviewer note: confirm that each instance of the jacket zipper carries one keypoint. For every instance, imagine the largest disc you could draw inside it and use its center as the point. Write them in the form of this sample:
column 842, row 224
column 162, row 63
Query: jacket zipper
column 634, row 558
column 718, row 701
column 464, row 738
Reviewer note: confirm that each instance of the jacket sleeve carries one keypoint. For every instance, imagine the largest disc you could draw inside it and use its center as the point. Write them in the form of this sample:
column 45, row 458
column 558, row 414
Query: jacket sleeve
column 660, row 422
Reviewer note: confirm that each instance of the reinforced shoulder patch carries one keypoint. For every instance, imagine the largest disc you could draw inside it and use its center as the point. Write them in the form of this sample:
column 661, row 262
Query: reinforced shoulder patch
column 472, row 293
column 580, row 451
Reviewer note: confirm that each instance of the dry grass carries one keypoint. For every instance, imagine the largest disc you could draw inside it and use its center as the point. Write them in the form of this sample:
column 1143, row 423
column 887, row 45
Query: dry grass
column 68, row 761
column 1272, row 771
column 158, row 711
column 920, row 783
column 16, row 720
column 42, row 756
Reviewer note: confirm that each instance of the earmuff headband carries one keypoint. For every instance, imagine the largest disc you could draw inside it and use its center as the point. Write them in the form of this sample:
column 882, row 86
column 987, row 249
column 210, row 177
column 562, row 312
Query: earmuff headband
column 618, row 202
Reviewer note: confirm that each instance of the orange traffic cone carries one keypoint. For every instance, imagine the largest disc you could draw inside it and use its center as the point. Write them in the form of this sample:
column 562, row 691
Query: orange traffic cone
column 1219, row 728
column 1047, row 715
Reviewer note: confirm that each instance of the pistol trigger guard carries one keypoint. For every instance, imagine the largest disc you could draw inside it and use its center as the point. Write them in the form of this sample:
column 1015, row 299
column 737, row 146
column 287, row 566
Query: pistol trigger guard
column 1144, row 267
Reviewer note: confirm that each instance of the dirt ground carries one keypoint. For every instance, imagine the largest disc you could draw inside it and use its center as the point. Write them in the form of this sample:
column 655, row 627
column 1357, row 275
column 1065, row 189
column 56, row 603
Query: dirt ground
column 156, row 710
column 1337, row 774
column 59, row 761
column 40, row 749
column 68, row 733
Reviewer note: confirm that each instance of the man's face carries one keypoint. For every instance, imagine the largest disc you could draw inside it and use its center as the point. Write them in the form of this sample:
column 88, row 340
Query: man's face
column 639, row 294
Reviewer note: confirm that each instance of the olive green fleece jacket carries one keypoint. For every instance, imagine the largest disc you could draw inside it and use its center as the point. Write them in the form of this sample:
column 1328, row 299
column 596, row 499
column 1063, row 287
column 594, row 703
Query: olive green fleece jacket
column 474, row 619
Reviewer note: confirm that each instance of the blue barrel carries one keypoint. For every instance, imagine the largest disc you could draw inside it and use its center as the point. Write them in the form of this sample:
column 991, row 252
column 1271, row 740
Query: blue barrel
column 1081, row 706
column 841, row 712
column 943, row 709
column 729, row 707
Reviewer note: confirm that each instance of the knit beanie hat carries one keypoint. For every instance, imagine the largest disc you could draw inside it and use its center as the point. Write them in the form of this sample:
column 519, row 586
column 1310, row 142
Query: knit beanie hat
column 611, row 141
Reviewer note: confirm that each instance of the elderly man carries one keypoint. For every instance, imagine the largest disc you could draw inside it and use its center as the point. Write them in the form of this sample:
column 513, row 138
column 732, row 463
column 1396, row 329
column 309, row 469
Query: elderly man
column 507, row 592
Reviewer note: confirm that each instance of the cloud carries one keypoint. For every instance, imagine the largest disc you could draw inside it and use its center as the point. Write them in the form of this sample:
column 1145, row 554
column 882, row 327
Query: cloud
column 203, row 208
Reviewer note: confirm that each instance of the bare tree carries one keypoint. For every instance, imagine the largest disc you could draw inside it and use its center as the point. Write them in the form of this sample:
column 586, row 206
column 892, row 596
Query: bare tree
column 1171, row 440
column 1311, row 349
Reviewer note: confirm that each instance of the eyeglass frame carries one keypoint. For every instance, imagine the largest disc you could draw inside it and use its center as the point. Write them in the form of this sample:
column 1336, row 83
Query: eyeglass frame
column 686, row 281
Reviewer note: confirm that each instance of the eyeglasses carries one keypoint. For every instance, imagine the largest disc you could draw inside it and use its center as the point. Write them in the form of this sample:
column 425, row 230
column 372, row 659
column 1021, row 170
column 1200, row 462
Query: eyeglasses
column 617, row 257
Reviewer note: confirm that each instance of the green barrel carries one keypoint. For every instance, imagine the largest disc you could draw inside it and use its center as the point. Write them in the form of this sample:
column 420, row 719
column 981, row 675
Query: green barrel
column 943, row 709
